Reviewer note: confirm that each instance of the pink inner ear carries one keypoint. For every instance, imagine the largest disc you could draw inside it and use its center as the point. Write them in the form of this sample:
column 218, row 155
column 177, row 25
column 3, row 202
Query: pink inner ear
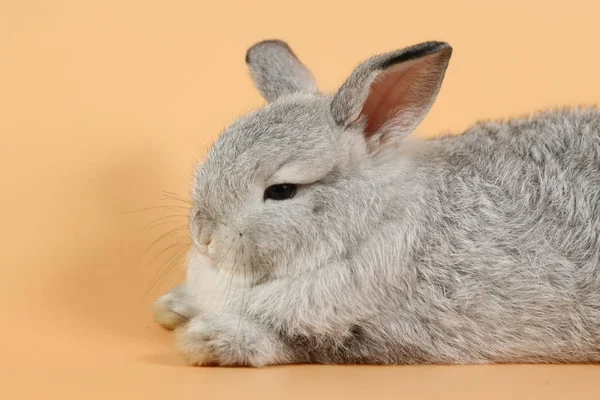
column 402, row 88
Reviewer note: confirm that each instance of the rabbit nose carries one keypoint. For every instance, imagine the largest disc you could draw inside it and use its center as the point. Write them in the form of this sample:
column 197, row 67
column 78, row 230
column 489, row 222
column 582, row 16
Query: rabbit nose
column 206, row 240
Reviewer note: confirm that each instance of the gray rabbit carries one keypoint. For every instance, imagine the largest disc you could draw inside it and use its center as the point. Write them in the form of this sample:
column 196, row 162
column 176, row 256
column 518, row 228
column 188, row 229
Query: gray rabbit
column 322, row 233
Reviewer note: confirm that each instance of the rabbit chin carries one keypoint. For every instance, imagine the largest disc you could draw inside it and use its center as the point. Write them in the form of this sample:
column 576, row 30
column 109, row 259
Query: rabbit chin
column 216, row 290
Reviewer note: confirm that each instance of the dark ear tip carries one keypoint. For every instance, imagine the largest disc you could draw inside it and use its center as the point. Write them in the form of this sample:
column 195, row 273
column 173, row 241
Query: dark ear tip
column 434, row 47
column 418, row 51
column 445, row 47
column 266, row 43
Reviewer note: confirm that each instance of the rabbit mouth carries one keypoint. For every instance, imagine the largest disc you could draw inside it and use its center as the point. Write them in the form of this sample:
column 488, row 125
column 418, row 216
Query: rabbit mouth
column 226, row 254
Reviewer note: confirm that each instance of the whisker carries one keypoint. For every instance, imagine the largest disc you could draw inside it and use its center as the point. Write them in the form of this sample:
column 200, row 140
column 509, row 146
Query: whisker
column 157, row 208
column 167, row 267
column 232, row 275
column 171, row 216
column 157, row 256
column 178, row 247
column 244, row 304
column 165, row 221
column 176, row 197
column 161, row 237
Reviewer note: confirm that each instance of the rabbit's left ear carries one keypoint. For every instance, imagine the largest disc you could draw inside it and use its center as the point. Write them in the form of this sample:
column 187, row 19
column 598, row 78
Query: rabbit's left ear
column 276, row 71
column 390, row 94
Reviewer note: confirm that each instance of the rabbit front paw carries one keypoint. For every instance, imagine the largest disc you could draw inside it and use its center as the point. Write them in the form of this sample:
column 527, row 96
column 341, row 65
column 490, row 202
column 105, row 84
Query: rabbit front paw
column 173, row 308
column 224, row 340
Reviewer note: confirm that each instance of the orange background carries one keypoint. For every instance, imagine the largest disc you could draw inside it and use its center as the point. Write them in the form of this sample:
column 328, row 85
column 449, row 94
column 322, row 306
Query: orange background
column 104, row 105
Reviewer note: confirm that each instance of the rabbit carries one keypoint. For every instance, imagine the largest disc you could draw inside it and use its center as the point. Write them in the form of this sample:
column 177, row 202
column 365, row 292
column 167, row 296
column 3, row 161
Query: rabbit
column 323, row 233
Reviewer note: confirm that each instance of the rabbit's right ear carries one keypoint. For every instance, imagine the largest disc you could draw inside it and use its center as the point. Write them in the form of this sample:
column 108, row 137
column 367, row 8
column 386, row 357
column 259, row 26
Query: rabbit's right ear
column 390, row 94
column 276, row 71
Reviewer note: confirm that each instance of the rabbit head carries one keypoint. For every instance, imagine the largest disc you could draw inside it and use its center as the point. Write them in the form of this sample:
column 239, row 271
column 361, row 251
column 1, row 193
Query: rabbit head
column 287, row 187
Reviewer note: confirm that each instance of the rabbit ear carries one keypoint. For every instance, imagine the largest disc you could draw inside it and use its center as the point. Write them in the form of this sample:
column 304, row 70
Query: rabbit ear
column 390, row 94
column 276, row 70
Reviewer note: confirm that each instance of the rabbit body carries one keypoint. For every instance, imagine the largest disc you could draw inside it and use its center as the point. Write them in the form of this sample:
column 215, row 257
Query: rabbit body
column 474, row 248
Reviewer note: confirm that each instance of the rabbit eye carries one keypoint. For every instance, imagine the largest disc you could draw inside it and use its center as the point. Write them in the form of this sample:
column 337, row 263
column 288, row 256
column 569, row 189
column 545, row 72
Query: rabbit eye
column 280, row 192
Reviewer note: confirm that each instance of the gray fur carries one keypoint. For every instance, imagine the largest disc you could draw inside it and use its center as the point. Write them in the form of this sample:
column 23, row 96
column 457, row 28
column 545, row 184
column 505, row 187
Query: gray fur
column 348, row 101
column 276, row 70
column 478, row 248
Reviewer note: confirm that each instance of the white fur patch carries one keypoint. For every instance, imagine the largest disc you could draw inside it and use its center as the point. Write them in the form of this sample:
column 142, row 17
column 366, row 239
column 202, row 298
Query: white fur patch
column 213, row 290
